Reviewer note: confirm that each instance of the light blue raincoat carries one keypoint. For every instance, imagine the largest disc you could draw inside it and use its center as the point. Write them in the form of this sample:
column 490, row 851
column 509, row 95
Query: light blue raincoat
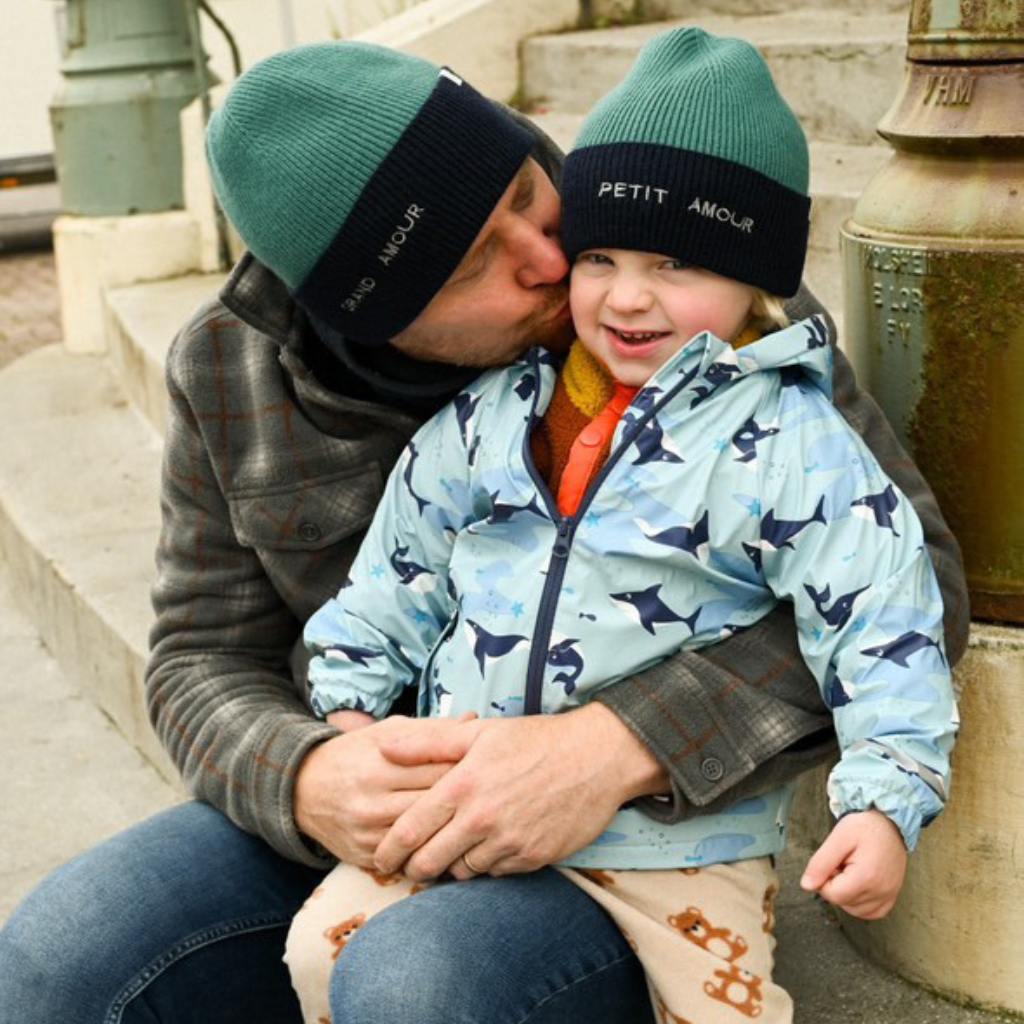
column 732, row 483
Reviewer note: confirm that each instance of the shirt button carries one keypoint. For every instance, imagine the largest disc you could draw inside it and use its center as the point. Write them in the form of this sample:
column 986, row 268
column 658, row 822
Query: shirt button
column 310, row 532
column 712, row 769
column 591, row 437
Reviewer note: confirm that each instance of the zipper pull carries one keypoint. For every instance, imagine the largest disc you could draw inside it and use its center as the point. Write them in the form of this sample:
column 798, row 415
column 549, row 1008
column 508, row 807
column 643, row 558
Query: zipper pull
column 561, row 549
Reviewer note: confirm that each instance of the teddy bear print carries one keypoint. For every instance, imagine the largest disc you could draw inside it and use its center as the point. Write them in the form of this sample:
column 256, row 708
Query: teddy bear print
column 665, row 1015
column 380, row 878
column 720, row 942
column 341, row 933
column 768, row 909
column 738, row 988
column 689, row 871
column 601, row 878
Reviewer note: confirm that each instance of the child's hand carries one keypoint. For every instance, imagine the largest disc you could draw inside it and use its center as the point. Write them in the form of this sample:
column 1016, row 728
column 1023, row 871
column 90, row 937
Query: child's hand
column 860, row 866
column 349, row 721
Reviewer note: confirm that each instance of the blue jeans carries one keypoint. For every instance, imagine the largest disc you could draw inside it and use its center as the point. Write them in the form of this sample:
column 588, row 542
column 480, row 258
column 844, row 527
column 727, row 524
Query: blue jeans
column 183, row 918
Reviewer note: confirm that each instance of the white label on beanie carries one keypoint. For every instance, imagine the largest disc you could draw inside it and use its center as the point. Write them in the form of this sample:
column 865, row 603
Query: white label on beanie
column 713, row 211
column 450, row 75
column 629, row 190
column 393, row 246
column 361, row 290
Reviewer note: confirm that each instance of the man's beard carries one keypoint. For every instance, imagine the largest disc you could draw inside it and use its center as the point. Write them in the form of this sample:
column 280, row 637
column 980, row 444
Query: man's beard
column 549, row 330
column 543, row 327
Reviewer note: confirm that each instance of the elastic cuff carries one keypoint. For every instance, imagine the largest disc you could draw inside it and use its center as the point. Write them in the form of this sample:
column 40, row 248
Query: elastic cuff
column 324, row 700
column 898, row 805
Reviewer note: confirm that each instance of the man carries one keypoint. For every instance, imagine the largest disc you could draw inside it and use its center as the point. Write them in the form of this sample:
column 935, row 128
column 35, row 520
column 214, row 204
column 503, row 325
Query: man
column 403, row 233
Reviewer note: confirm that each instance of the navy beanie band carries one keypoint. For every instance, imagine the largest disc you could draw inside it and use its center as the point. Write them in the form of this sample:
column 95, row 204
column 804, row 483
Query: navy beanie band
column 697, row 156
column 361, row 177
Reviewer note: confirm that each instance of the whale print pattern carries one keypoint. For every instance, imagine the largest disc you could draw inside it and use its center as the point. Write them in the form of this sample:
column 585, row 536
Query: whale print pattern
column 472, row 587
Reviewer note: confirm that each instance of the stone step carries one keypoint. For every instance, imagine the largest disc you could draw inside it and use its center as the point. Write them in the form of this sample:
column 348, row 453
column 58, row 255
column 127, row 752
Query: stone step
column 142, row 321
column 70, row 778
column 663, row 10
column 840, row 72
column 79, row 520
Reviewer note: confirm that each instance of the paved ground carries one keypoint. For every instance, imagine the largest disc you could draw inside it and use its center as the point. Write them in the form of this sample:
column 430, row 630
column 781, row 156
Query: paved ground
column 29, row 310
column 69, row 777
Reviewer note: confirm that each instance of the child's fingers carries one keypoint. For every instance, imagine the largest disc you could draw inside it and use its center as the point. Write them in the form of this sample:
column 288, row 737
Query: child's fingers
column 436, row 740
column 845, row 890
column 866, row 908
column 826, row 861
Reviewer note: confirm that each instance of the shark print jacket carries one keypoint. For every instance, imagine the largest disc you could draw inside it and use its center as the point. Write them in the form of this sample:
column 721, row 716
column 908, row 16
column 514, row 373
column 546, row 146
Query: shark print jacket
column 732, row 484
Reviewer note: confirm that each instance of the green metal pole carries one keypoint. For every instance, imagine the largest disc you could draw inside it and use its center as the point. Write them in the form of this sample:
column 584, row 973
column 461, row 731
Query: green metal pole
column 128, row 69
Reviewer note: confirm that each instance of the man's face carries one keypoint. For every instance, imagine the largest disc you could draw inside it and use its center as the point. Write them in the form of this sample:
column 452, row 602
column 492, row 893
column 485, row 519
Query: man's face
column 510, row 290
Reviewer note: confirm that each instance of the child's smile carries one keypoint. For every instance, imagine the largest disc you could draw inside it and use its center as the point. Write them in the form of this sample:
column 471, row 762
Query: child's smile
column 634, row 310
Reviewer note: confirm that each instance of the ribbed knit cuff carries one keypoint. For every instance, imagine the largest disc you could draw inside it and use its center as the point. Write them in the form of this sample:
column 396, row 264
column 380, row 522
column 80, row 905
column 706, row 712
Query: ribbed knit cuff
column 701, row 209
column 417, row 216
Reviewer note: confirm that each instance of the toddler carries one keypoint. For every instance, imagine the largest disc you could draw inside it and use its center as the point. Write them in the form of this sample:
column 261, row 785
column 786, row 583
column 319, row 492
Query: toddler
column 559, row 527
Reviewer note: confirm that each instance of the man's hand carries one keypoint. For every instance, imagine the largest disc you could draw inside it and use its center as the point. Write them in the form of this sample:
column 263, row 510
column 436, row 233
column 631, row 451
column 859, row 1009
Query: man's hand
column 347, row 794
column 525, row 793
column 860, row 866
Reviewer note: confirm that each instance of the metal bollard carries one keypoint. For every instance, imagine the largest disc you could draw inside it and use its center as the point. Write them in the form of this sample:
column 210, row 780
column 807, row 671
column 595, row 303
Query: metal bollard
column 934, row 281
column 128, row 71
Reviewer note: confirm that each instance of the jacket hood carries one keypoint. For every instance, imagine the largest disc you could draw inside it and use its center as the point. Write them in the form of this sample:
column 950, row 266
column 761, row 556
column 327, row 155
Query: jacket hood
column 706, row 363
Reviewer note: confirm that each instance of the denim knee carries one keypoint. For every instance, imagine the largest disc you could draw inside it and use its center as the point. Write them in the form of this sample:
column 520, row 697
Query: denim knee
column 532, row 948
column 52, row 955
column 149, row 910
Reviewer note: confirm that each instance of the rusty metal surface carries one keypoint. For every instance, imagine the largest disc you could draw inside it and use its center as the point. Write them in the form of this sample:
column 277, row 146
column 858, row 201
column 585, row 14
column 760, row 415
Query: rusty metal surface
column 943, row 332
column 934, row 283
column 943, row 106
column 966, row 30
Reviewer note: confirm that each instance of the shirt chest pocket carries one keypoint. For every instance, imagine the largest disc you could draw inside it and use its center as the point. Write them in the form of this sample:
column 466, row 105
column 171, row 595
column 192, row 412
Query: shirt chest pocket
column 310, row 515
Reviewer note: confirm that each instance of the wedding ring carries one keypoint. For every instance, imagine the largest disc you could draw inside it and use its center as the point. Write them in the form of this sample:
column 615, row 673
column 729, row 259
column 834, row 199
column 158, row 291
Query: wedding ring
column 466, row 861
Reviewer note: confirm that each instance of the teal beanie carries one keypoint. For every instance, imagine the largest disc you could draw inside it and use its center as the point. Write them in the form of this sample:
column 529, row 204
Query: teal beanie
column 697, row 156
column 360, row 176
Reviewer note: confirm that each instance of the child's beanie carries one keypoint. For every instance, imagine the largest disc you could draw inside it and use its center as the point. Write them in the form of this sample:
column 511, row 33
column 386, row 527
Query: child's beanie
column 697, row 156
column 360, row 176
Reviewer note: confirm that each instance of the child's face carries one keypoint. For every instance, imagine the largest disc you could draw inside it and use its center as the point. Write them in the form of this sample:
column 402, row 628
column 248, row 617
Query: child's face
column 634, row 310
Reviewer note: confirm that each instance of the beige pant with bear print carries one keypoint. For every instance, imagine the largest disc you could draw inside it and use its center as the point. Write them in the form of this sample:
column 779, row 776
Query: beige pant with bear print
column 704, row 935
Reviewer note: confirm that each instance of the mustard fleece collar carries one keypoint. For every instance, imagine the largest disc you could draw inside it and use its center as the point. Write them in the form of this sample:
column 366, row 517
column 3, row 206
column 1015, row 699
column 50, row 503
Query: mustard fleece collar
column 590, row 385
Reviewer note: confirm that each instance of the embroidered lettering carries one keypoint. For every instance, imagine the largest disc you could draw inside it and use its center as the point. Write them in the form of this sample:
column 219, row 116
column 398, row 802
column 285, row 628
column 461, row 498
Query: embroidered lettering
column 392, row 247
column 632, row 190
column 361, row 290
column 707, row 208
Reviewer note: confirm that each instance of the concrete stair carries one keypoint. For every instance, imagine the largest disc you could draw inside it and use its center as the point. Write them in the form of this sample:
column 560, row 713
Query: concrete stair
column 79, row 474
column 79, row 517
column 839, row 72
column 697, row 10
column 142, row 321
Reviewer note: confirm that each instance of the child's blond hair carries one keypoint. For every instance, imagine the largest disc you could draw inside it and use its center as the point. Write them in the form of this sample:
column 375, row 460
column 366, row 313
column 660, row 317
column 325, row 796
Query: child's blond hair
column 767, row 313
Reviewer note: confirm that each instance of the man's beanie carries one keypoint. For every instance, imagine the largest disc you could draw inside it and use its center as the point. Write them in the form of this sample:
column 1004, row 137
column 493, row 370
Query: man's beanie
column 361, row 177
column 697, row 156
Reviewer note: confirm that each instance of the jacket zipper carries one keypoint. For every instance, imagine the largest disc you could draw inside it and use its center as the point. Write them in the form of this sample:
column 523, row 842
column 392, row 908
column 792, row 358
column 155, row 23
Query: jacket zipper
column 566, row 530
